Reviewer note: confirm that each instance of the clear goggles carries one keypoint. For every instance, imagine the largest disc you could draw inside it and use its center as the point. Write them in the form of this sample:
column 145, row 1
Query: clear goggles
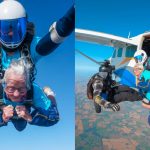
column 12, row 32
column 11, row 90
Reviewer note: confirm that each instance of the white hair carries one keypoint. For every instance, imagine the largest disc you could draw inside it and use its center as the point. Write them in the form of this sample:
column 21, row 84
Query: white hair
column 19, row 67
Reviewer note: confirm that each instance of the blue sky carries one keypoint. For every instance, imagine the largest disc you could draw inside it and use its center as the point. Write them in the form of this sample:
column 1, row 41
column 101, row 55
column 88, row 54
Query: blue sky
column 109, row 16
column 56, row 71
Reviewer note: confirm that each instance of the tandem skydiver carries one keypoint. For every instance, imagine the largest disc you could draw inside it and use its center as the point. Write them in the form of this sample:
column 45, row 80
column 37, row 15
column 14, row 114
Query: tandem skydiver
column 99, row 86
column 23, row 103
column 17, row 37
column 102, row 89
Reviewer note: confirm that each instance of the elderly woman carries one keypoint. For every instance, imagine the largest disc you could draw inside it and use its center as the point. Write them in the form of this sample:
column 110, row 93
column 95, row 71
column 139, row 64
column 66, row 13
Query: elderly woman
column 143, row 83
column 22, row 103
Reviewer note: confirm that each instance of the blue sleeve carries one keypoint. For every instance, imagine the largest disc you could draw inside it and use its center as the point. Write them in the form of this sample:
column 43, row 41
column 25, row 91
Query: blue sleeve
column 66, row 24
column 45, row 118
column 58, row 31
column 2, row 123
column 40, row 100
column 34, row 55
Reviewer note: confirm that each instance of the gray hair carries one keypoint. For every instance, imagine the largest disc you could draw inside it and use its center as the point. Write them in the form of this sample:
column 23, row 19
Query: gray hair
column 19, row 67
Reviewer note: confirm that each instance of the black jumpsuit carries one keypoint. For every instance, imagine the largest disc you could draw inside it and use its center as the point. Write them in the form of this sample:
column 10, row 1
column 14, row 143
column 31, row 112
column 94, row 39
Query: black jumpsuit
column 115, row 94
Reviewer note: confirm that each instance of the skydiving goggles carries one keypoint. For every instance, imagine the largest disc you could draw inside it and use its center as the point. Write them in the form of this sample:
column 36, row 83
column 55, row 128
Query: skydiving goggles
column 11, row 89
column 12, row 32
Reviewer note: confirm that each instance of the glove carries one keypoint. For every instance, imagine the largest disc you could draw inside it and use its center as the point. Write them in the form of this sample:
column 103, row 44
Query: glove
column 114, row 107
column 98, row 100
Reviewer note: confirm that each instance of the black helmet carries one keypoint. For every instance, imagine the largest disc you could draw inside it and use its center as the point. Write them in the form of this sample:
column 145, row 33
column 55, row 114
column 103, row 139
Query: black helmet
column 106, row 67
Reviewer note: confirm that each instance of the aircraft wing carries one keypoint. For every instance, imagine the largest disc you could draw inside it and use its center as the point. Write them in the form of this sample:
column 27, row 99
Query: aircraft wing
column 102, row 38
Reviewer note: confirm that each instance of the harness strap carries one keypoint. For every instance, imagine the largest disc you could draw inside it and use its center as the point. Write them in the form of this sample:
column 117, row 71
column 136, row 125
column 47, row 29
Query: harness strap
column 25, row 53
column 25, row 49
column 1, row 67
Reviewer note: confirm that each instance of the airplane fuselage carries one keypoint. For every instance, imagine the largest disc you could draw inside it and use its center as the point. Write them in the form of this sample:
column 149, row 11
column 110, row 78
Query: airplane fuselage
column 125, row 50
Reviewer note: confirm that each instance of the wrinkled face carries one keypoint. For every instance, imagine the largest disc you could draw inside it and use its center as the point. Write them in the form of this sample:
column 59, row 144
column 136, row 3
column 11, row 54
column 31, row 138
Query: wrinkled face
column 137, row 71
column 15, row 88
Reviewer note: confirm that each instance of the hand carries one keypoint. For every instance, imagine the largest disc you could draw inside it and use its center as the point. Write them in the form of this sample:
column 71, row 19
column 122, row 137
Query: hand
column 23, row 113
column 50, row 94
column 146, row 101
column 114, row 107
column 8, row 112
column 48, row 91
column 146, row 106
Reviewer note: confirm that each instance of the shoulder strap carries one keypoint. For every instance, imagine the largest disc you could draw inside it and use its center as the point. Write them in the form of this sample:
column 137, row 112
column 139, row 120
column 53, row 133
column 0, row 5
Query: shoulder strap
column 1, row 67
column 30, row 33
column 25, row 49
column 25, row 53
column 1, row 96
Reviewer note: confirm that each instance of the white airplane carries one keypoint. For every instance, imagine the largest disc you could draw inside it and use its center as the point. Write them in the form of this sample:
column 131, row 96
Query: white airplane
column 126, row 49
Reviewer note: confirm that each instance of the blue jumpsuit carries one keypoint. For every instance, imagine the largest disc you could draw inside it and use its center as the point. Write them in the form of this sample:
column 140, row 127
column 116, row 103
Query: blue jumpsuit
column 144, row 84
column 144, row 87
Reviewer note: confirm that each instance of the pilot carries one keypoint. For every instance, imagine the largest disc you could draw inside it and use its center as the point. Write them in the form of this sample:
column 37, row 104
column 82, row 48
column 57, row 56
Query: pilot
column 23, row 103
column 98, row 89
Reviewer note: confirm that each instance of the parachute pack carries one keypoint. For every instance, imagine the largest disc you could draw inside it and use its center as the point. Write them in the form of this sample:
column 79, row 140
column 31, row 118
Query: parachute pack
column 90, row 87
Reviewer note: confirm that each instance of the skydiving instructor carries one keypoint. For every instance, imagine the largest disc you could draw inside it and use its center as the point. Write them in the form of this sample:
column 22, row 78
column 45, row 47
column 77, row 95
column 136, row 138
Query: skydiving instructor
column 17, row 34
column 18, row 40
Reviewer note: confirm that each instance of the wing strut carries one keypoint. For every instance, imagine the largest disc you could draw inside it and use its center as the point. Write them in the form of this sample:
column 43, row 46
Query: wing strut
column 93, row 60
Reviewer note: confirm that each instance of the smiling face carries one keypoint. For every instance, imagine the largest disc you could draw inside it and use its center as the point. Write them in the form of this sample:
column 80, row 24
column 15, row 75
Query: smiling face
column 15, row 87
column 138, row 70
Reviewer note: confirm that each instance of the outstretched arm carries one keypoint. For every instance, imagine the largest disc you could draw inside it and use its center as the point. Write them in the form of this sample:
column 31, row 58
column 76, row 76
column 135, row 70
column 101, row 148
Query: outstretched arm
column 58, row 32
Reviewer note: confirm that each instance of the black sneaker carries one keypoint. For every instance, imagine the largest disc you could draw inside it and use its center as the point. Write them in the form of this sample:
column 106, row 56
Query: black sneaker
column 114, row 107
column 97, row 107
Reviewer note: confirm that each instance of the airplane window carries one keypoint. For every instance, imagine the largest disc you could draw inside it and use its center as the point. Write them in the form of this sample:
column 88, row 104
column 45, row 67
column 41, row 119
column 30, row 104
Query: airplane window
column 146, row 46
column 119, row 52
column 114, row 53
column 130, row 51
